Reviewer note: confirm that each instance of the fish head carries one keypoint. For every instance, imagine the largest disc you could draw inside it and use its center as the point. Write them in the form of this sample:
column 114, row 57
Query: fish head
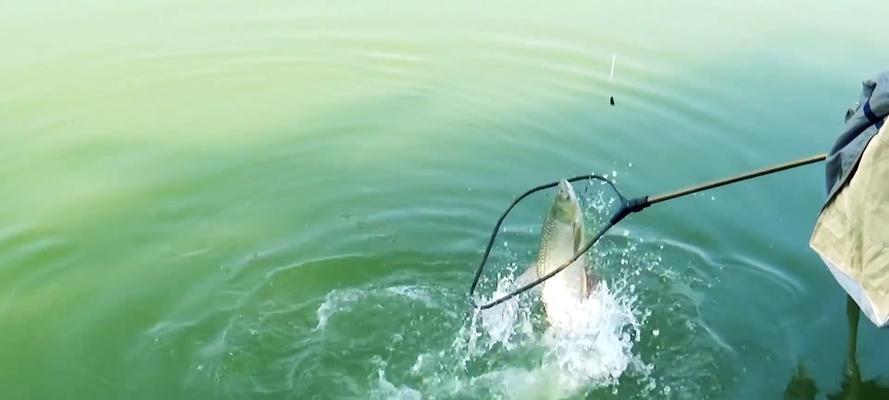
column 566, row 207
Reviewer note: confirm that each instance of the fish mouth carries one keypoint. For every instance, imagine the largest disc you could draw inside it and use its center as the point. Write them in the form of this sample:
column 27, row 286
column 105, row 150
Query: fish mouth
column 566, row 191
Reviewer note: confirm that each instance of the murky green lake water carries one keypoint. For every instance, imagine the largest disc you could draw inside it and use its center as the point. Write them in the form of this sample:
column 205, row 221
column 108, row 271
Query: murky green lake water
column 287, row 200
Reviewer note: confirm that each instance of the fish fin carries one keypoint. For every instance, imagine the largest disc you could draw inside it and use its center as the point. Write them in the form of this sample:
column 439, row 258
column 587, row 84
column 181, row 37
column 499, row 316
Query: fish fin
column 578, row 237
column 527, row 277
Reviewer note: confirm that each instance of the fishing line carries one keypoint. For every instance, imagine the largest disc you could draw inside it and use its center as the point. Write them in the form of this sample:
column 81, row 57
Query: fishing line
column 611, row 75
column 627, row 207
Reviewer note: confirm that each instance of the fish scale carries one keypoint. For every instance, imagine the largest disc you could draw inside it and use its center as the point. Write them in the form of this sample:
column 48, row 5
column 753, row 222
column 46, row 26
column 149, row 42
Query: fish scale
column 561, row 233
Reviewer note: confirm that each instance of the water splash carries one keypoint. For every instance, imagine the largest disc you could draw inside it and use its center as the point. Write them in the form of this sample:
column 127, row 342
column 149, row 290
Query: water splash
column 388, row 390
column 342, row 301
column 559, row 363
column 510, row 351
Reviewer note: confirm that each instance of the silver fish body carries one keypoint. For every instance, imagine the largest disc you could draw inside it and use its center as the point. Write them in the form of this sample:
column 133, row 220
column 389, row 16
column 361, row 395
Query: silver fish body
column 561, row 237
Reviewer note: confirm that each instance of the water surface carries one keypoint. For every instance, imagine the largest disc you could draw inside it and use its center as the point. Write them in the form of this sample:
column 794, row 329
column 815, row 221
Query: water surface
column 287, row 200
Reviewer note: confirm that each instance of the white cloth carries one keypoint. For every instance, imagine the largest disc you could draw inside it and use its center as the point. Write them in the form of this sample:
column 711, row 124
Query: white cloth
column 852, row 233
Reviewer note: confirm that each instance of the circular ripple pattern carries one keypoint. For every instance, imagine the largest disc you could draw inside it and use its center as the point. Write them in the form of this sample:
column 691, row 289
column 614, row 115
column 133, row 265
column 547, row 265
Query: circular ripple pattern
column 229, row 201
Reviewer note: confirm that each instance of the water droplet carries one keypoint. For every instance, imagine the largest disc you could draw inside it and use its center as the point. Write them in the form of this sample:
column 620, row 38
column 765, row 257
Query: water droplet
column 656, row 332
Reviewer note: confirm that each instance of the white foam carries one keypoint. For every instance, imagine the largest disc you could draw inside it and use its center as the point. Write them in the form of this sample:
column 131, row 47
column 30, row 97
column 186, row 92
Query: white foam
column 593, row 352
column 418, row 293
column 510, row 352
column 598, row 348
column 336, row 301
column 509, row 322
column 344, row 300
column 388, row 390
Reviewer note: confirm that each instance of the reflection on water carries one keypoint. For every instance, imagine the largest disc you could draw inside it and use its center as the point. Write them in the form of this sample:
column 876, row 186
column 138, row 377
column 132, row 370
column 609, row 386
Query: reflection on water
column 852, row 386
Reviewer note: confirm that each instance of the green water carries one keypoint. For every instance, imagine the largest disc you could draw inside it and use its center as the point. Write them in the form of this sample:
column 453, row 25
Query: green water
column 287, row 200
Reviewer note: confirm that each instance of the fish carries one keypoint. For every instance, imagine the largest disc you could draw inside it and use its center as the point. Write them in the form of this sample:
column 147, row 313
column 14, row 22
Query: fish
column 562, row 235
